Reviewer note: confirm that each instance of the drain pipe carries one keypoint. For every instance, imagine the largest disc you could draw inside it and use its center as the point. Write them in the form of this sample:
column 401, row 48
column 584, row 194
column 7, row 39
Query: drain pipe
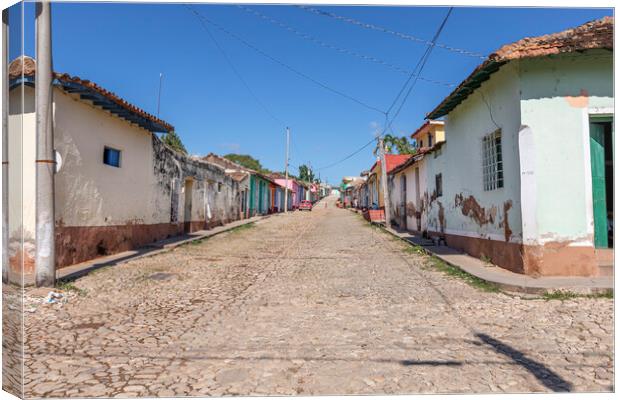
column 5, row 145
column 45, row 271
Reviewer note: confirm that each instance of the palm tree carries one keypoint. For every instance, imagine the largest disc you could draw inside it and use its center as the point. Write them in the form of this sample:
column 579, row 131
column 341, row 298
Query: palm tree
column 401, row 144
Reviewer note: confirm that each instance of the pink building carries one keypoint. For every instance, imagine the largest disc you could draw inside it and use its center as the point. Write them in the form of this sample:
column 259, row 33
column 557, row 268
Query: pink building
column 294, row 187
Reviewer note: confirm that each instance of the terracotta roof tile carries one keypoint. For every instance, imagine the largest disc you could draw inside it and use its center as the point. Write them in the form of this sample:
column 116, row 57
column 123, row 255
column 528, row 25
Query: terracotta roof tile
column 392, row 161
column 596, row 34
column 28, row 65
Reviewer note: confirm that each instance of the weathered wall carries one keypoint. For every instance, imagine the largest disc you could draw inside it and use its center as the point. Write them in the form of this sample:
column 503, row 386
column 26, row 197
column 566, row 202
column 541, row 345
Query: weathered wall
column 573, row 87
column 22, row 152
column 558, row 193
column 102, row 209
column 540, row 222
column 470, row 210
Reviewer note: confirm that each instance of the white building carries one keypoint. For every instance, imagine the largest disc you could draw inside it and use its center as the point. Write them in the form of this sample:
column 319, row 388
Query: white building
column 117, row 186
column 526, row 170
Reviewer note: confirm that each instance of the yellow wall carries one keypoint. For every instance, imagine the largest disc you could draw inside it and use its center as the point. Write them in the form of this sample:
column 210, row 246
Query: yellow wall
column 436, row 130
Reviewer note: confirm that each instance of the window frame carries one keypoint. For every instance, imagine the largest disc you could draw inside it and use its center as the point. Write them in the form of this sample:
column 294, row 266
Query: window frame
column 439, row 184
column 492, row 161
column 120, row 156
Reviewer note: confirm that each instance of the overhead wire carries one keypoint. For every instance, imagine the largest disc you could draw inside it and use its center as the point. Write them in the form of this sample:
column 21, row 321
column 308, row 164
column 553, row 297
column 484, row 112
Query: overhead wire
column 339, row 49
column 388, row 123
column 283, row 64
column 423, row 61
column 388, row 31
column 238, row 74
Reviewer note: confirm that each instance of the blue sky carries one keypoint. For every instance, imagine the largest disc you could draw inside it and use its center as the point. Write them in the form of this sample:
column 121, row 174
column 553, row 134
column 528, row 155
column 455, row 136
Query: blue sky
column 124, row 47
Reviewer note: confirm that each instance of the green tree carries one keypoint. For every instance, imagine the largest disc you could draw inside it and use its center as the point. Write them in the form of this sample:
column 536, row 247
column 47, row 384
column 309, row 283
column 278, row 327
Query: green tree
column 172, row 140
column 400, row 145
column 305, row 173
column 247, row 161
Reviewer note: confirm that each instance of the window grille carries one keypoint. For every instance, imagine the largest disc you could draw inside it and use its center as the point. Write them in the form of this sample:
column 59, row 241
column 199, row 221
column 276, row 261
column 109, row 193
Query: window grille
column 438, row 185
column 492, row 161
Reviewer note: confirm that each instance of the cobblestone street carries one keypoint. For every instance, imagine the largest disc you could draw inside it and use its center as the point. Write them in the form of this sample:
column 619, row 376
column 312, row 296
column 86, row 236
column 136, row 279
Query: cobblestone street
column 307, row 303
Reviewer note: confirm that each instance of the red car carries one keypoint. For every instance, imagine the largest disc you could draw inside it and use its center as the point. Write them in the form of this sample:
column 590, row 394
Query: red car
column 305, row 205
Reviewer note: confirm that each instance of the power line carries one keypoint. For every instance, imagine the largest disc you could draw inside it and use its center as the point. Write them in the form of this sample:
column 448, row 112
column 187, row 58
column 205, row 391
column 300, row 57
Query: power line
column 388, row 125
column 232, row 67
column 389, row 31
column 281, row 63
column 422, row 63
column 339, row 49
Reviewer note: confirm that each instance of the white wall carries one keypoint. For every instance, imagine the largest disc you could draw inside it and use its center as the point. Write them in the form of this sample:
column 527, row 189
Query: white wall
column 22, row 153
column 573, row 87
column 91, row 193
column 494, row 105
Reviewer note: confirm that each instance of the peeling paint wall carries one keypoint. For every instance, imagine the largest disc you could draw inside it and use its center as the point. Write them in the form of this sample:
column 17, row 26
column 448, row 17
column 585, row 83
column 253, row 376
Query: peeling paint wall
column 573, row 87
column 540, row 221
column 468, row 209
column 21, row 207
column 101, row 209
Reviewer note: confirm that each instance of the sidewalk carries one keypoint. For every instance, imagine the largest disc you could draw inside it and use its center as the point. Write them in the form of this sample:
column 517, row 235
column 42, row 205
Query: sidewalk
column 505, row 279
column 77, row 270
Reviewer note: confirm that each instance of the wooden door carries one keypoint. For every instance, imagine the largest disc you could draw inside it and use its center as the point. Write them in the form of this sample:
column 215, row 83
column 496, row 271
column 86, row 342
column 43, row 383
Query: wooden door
column 599, row 197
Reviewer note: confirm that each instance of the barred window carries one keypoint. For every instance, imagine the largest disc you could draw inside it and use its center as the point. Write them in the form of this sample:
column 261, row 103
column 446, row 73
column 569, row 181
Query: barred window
column 492, row 162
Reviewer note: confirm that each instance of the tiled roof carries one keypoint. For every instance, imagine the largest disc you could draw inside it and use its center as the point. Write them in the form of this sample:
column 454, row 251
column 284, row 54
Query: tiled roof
column 419, row 154
column 596, row 34
column 392, row 161
column 28, row 66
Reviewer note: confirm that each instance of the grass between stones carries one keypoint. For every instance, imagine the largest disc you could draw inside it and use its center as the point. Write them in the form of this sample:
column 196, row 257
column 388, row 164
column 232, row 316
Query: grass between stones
column 68, row 286
column 568, row 295
column 441, row 266
column 437, row 264
column 242, row 228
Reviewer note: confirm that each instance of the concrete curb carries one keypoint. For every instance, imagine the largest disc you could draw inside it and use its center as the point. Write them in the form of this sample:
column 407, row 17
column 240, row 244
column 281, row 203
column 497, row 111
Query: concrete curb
column 579, row 285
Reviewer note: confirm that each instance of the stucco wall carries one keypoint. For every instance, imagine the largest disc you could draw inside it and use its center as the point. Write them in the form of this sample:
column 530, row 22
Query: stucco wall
column 21, row 171
column 102, row 209
column 573, row 87
column 468, row 209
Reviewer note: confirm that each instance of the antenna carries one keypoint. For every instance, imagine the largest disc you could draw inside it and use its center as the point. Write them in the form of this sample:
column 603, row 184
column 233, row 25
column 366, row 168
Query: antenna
column 161, row 77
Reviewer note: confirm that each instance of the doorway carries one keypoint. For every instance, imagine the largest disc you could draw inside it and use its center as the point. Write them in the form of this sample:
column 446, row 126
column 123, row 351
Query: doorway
column 601, row 160
column 418, row 200
column 187, row 213
column 403, row 201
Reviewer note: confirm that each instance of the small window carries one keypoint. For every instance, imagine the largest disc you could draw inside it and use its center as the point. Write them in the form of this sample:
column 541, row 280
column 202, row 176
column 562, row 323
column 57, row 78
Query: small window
column 219, row 187
column 438, row 185
column 492, row 161
column 421, row 143
column 430, row 139
column 112, row 157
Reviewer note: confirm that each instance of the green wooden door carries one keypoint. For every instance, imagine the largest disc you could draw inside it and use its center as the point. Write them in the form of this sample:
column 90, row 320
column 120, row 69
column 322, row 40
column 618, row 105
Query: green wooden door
column 252, row 202
column 599, row 202
column 261, row 194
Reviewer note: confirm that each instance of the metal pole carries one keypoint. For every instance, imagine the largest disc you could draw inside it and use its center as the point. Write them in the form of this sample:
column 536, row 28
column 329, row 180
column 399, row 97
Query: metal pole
column 5, row 145
column 288, row 138
column 161, row 77
column 384, row 185
column 45, row 272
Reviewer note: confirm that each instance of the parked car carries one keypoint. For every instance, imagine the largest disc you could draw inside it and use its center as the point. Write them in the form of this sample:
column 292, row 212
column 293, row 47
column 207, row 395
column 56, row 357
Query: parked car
column 305, row 205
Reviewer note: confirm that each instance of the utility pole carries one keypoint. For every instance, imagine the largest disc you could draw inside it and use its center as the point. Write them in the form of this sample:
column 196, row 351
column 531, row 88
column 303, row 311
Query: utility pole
column 45, row 271
column 384, row 184
column 5, row 145
column 161, row 77
column 288, row 138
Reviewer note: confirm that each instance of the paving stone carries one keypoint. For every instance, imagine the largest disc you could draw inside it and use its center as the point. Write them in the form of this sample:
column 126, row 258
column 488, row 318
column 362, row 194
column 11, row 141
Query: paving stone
column 314, row 303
